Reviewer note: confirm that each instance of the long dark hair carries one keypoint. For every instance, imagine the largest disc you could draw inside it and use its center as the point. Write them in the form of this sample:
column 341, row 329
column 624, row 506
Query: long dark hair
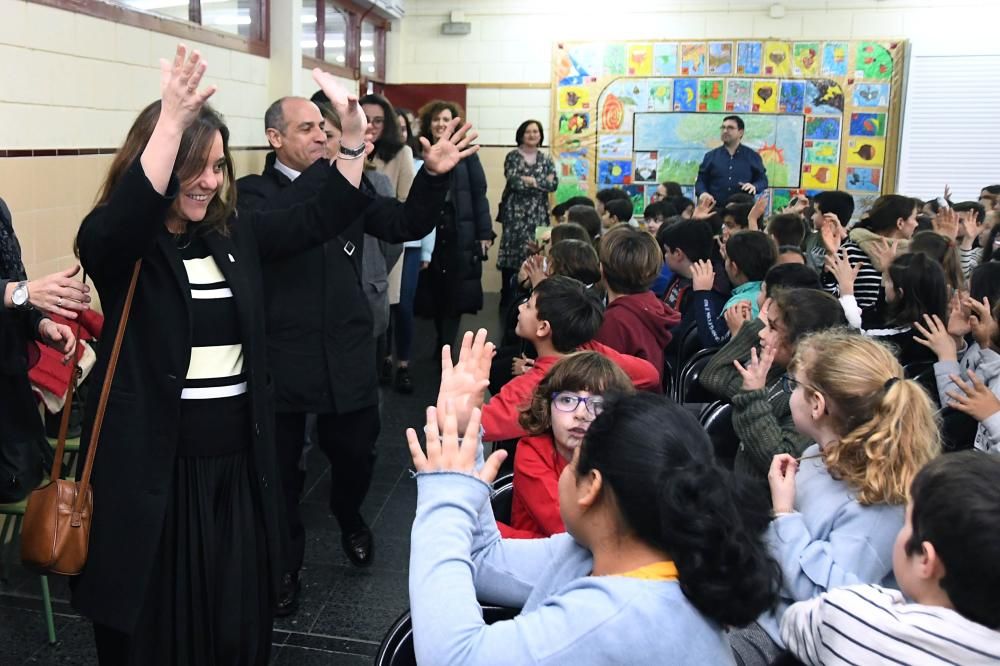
column 921, row 289
column 389, row 142
column 886, row 212
column 412, row 140
column 657, row 463
column 195, row 144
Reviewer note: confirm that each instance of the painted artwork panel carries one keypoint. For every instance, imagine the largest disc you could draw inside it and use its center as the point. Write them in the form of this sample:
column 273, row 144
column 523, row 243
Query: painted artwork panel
column 865, row 179
column 640, row 59
column 681, row 140
column 739, row 95
column 806, row 59
column 834, row 59
column 868, row 95
column 645, row 167
column 765, row 97
column 573, row 123
column 574, row 98
column 865, row 151
column 822, row 127
column 711, row 95
column 873, row 62
column 867, row 124
column 665, row 60
column 694, row 58
column 685, row 94
column 617, row 146
column 777, row 59
column 661, row 95
column 824, row 96
column 749, row 58
column 792, row 97
column 720, row 58
column 615, row 60
column 614, row 172
column 819, row 177
column 821, row 152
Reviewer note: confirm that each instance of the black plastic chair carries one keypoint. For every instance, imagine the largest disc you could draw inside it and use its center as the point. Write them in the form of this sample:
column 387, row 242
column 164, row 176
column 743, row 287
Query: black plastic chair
column 689, row 346
column 958, row 430
column 397, row 645
column 689, row 389
column 502, row 497
column 923, row 373
column 717, row 421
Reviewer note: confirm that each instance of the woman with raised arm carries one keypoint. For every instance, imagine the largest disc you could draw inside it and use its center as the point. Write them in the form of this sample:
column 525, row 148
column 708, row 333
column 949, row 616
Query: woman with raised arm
column 184, row 548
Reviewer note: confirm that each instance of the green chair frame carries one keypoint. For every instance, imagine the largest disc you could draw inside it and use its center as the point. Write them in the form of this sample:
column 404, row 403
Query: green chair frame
column 11, row 516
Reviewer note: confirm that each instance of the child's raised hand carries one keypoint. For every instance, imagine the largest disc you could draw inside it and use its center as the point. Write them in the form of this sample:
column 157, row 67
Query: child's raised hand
column 977, row 400
column 737, row 315
column 946, row 223
column 463, row 384
column 958, row 316
column 840, row 267
column 781, row 479
column 755, row 373
column 446, row 452
column 521, row 364
column 980, row 320
column 702, row 275
column 883, row 252
column 935, row 336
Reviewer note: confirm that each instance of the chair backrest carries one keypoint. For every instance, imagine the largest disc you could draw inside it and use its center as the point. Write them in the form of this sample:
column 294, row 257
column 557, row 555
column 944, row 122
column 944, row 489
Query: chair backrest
column 923, row 374
column 689, row 389
column 718, row 423
column 397, row 645
column 690, row 345
column 502, row 497
column 958, row 430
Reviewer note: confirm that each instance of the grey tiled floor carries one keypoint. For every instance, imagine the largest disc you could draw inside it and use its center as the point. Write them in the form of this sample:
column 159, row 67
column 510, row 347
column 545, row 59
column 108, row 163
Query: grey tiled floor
column 344, row 611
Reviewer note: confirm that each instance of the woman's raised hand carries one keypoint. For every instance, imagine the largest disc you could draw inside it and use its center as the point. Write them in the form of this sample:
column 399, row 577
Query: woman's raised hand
column 453, row 147
column 446, row 452
column 352, row 117
column 180, row 98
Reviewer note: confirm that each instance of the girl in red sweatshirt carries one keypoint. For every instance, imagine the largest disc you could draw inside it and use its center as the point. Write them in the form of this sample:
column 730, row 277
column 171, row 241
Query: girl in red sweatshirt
column 562, row 407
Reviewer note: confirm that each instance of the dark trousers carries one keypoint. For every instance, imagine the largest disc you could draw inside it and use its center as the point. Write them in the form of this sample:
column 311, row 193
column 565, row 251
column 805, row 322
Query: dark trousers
column 348, row 441
column 403, row 324
column 447, row 331
column 508, row 287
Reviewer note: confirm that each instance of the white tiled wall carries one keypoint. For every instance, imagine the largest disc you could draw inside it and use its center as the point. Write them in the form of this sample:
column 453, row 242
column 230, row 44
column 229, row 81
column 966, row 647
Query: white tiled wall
column 72, row 81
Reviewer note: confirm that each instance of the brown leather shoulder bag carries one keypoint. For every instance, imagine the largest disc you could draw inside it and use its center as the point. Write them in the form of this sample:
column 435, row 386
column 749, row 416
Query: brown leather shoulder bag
column 56, row 527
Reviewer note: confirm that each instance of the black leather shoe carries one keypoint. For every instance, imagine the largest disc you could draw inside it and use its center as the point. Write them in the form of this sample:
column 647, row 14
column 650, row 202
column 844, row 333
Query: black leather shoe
column 404, row 384
column 359, row 546
column 288, row 595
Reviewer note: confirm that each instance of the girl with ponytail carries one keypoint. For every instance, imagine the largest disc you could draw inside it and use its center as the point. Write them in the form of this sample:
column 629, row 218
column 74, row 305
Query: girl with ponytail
column 664, row 549
column 839, row 507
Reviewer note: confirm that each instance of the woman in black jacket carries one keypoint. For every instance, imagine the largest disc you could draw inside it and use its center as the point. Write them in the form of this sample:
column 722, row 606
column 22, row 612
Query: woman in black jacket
column 22, row 319
column 464, row 233
column 184, row 550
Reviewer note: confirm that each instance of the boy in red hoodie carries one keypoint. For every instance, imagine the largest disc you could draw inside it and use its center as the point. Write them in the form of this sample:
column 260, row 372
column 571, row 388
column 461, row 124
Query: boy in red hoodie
column 562, row 316
column 636, row 322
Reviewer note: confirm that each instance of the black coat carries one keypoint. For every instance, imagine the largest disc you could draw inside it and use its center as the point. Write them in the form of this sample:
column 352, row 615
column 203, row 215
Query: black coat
column 456, row 268
column 134, row 466
column 321, row 352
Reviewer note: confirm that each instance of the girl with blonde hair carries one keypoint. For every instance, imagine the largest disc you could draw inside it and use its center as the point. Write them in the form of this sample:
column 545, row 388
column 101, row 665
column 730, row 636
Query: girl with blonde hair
column 840, row 505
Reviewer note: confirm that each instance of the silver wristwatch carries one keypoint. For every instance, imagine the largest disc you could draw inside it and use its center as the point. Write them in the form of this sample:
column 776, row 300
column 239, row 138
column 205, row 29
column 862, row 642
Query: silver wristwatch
column 20, row 296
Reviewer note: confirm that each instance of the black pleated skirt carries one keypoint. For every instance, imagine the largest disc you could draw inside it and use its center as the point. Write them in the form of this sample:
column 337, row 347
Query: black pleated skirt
column 207, row 603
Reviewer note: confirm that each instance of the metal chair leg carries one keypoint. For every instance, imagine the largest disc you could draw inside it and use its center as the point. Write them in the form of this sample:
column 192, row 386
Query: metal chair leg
column 50, row 625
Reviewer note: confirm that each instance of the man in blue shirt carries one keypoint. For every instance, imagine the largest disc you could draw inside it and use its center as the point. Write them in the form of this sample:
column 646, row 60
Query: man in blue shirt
column 732, row 167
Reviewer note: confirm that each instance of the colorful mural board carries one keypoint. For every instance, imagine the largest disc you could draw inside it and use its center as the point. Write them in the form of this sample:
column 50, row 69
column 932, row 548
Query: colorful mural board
column 823, row 114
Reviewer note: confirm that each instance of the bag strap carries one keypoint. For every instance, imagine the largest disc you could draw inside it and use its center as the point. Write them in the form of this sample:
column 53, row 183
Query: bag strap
column 102, row 404
column 56, row 472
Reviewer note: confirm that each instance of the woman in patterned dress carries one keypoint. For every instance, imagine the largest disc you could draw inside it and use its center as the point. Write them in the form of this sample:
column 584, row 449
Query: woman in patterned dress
column 530, row 175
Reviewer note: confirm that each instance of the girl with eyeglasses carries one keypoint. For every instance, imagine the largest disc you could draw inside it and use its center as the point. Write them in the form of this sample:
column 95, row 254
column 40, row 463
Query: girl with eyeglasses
column 561, row 410
column 663, row 548
column 839, row 506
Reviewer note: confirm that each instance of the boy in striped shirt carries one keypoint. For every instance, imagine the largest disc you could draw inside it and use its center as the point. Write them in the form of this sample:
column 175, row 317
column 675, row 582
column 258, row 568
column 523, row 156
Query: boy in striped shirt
column 945, row 561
